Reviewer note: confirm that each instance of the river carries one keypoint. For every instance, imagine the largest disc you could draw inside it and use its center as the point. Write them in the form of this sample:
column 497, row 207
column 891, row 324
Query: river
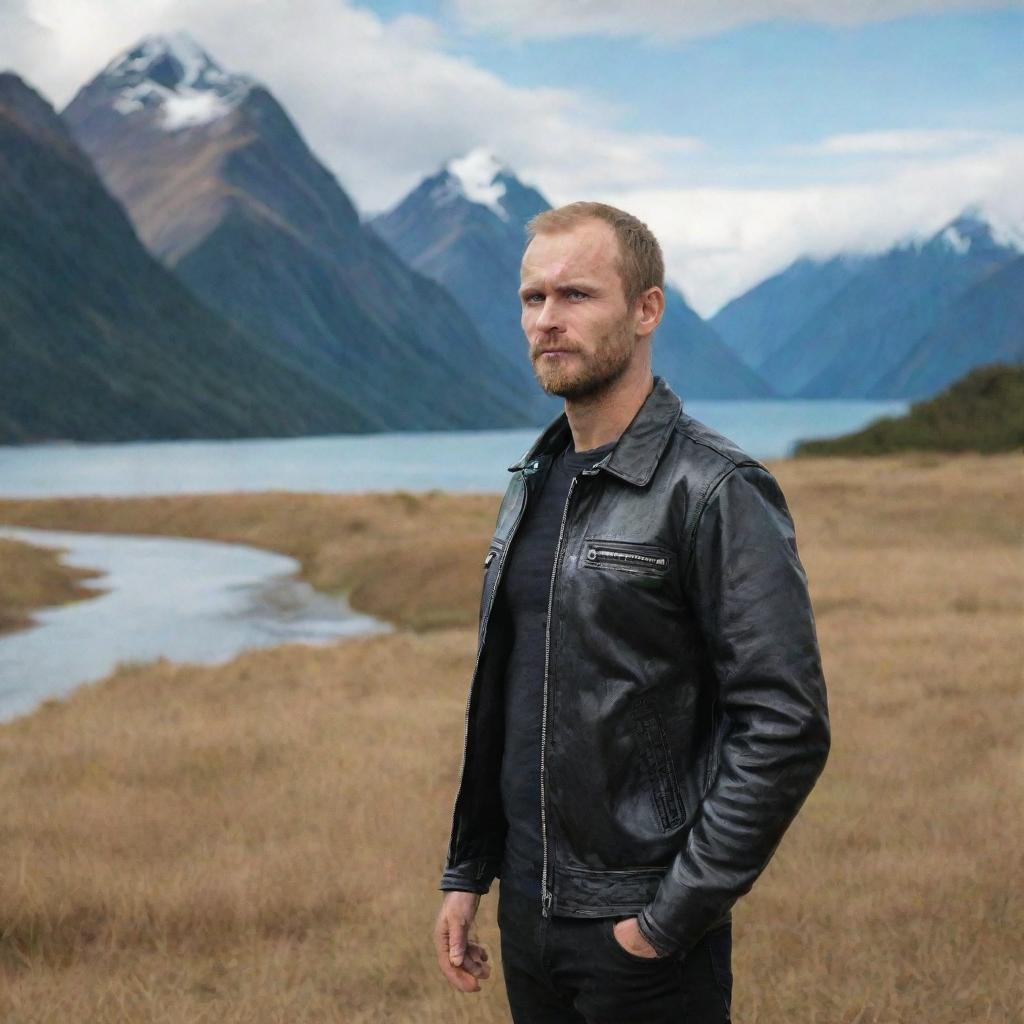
column 186, row 600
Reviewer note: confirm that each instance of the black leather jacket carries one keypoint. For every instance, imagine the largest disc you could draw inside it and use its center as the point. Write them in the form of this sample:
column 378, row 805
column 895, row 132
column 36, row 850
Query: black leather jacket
column 685, row 717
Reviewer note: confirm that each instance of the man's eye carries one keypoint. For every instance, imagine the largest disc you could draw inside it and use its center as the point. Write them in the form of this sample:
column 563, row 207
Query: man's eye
column 572, row 293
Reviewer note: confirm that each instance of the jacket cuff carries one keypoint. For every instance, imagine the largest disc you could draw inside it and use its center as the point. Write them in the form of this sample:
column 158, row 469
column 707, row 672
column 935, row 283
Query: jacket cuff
column 470, row 876
column 663, row 944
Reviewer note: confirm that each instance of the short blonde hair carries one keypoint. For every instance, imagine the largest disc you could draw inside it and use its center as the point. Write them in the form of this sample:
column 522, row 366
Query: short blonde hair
column 640, row 263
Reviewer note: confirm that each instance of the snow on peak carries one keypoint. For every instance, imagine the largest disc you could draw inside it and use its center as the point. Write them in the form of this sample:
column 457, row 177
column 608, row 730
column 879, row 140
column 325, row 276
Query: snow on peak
column 475, row 176
column 985, row 227
column 174, row 75
column 956, row 241
column 971, row 232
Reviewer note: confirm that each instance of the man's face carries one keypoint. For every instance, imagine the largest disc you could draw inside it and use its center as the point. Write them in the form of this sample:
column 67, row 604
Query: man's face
column 580, row 332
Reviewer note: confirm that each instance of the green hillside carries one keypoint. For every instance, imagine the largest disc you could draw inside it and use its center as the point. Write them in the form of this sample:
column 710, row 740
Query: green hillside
column 982, row 412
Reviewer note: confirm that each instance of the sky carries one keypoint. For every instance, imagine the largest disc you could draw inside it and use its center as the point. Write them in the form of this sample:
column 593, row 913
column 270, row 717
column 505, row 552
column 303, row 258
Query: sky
column 745, row 133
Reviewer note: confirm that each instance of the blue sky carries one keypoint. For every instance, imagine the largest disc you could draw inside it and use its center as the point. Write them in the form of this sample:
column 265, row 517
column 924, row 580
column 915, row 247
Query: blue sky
column 743, row 143
column 777, row 82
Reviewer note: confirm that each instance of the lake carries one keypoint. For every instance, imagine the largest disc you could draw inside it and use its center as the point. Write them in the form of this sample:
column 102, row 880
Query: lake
column 216, row 600
column 456, row 460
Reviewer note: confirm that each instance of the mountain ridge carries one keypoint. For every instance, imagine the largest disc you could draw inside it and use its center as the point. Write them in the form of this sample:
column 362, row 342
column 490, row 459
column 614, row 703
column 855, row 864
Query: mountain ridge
column 836, row 328
column 464, row 225
column 99, row 341
column 264, row 233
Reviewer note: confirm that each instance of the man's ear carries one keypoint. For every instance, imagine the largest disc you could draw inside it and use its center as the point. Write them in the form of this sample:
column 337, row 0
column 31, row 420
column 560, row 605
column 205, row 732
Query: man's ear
column 650, row 310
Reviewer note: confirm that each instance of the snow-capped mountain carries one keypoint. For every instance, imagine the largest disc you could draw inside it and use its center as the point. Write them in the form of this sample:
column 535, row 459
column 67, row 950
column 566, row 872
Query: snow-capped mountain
column 464, row 226
column 842, row 328
column 173, row 76
column 99, row 341
column 223, row 188
column 477, row 177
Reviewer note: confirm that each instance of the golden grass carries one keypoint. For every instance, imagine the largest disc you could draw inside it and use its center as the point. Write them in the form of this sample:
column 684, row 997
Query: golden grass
column 34, row 577
column 261, row 841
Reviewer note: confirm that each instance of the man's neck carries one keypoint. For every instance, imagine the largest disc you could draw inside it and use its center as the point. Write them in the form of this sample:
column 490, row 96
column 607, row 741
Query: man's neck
column 602, row 418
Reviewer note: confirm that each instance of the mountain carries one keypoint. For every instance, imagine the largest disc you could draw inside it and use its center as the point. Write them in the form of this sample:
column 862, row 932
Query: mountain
column 872, row 322
column 757, row 323
column 982, row 411
column 690, row 355
column 464, row 227
column 223, row 189
column 98, row 341
column 984, row 325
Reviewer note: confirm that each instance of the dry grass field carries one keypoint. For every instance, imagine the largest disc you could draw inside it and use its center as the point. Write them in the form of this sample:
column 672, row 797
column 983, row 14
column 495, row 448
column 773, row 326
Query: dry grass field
column 261, row 841
column 34, row 577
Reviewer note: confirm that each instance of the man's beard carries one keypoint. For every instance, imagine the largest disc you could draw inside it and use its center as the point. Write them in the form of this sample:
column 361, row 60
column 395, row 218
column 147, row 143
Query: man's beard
column 598, row 372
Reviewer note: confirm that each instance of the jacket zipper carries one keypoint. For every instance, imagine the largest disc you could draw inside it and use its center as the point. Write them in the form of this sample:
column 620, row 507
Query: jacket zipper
column 594, row 553
column 476, row 665
column 546, row 897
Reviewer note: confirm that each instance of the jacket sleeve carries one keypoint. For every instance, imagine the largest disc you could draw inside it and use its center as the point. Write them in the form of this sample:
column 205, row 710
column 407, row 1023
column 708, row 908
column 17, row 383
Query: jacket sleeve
column 749, row 592
column 470, row 876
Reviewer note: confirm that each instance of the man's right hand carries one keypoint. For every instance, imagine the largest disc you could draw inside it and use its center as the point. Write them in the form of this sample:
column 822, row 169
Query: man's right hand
column 462, row 961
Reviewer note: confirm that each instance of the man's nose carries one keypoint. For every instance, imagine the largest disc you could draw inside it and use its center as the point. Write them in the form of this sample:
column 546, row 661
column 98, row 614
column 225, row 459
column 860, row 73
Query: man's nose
column 548, row 318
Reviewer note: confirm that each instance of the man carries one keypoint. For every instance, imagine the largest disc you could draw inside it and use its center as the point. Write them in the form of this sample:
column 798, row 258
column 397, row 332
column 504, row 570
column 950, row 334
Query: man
column 647, row 712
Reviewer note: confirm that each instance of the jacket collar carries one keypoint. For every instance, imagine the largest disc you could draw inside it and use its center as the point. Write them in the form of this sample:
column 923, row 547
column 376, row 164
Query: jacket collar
column 636, row 454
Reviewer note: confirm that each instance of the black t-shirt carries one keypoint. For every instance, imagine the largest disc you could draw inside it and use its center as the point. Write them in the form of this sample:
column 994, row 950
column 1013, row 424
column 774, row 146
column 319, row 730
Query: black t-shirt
column 523, row 599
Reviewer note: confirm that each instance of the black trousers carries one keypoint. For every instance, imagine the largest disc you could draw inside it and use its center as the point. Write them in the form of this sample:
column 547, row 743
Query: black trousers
column 569, row 970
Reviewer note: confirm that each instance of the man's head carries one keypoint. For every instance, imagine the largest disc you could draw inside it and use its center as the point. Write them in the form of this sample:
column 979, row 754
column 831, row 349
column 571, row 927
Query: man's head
column 592, row 280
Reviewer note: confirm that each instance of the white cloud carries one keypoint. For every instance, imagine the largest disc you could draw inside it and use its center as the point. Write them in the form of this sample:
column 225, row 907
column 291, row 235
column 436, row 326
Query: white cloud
column 676, row 19
column 381, row 103
column 897, row 143
column 22, row 39
column 384, row 103
column 720, row 241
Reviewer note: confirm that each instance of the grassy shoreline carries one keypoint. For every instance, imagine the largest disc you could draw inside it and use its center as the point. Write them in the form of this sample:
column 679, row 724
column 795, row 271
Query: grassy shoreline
column 351, row 544
column 261, row 841
column 34, row 577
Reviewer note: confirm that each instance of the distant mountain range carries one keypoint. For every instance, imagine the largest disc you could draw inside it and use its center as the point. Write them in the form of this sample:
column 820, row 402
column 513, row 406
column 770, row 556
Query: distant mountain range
column 176, row 262
column 758, row 323
column 98, row 341
column 223, row 189
column 464, row 227
column 985, row 324
column 902, row 324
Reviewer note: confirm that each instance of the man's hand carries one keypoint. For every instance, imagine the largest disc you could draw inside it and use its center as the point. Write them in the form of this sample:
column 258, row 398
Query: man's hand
column 462, row 961
column 629, row 936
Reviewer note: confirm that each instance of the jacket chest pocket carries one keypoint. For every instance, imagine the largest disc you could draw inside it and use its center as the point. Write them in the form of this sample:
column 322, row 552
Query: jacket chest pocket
column 627, row 556
column 661, row 775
